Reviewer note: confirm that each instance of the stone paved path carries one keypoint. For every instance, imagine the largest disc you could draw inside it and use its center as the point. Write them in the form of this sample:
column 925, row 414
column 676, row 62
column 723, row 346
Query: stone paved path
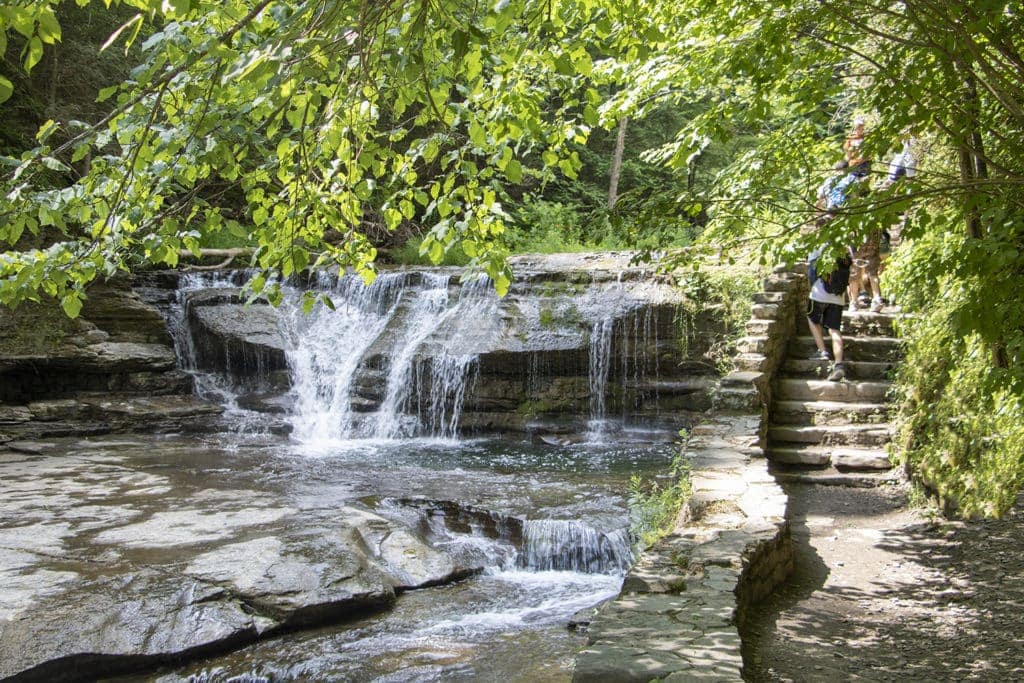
column 882, row 593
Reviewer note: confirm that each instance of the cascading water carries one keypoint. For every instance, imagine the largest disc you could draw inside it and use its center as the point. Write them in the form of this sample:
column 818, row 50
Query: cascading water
column 509, row 543
column 450, row 376
column 327, row 347
column 426, row 314
column 600, row 364
column 565, row 545
column 211, row 386
column 639, row 340
column 394, row 320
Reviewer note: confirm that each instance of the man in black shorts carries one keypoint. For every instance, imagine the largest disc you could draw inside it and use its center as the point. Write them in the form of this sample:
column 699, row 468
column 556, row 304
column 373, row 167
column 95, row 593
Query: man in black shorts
column 825, row 311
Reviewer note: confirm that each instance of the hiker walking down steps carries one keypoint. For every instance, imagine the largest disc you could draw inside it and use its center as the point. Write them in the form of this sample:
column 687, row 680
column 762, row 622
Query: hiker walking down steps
column 825, row 310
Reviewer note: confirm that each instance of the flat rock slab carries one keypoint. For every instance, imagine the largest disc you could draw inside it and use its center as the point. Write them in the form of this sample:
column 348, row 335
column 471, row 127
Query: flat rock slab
column 101, row 624
column 111, row 563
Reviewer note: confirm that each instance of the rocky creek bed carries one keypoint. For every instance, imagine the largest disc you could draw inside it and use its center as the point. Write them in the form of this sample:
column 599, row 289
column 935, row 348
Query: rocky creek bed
column 133, row 553
column 427, row 482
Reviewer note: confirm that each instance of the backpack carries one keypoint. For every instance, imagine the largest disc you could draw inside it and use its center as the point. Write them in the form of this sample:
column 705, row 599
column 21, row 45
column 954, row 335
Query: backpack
column 835, row 282
column 838, row 280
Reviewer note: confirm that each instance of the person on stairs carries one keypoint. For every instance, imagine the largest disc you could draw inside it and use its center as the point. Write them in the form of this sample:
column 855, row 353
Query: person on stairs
column 867, row 261
column 825, row 309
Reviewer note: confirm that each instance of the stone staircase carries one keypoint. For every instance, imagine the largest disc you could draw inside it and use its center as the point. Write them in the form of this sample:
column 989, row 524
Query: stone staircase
column 835, row 433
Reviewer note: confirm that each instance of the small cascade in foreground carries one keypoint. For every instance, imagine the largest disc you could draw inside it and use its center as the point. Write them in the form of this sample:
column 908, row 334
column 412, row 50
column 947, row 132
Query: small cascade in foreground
column 565, row 545
column 510, row 543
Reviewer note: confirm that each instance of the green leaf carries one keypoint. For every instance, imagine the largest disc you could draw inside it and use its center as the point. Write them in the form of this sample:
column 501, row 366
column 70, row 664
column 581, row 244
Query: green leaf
column 55, row 164
column 477, row 134
column 407, row 209
column 72, row 304
column 501, row 284
column 176, row 8
column 47, row 27
column 514, row 171
column 6, row 89
column 33, row 52
column 460, row 43
column 258, row 283
column 392, row 217
column 81, row 151
column 436, row 252
column 260, row 215
column 308, row 302
column 46, row 130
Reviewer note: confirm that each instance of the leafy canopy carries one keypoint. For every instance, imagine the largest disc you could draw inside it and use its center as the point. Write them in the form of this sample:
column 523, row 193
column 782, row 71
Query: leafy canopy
column 299, row 127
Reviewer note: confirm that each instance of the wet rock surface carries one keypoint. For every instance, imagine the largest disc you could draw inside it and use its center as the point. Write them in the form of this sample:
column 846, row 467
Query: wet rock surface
column 111, row 369
column 238, row 339
column 129, row 553
column 111, row 562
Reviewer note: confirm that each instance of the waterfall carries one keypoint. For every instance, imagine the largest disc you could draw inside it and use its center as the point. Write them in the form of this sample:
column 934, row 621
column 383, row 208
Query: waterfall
column 211, row 386
column 449, row 378
column 509, row 543
column 327, row 347
column 428, row 312
column 551, row 544
column 414, row 328
column 639, row 341
column 600, row 364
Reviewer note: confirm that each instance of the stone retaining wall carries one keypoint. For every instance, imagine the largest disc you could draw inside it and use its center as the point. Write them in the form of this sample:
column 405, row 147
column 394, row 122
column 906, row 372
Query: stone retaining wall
column 678, row 615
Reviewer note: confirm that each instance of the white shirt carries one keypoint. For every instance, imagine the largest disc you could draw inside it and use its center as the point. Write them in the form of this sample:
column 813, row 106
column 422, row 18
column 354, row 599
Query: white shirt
column 818, row 293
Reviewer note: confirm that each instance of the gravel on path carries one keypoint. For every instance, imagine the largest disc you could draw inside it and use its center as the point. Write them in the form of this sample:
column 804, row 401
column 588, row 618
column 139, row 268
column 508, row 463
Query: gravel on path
column 883, row 593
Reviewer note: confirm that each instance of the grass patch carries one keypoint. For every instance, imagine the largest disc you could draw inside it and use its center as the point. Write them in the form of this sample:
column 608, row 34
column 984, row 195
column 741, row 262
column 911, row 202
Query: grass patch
column 654, row 507
column 409, row 255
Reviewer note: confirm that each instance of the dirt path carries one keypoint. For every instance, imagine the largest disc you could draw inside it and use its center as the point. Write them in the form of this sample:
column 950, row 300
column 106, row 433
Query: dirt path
column 881, row 593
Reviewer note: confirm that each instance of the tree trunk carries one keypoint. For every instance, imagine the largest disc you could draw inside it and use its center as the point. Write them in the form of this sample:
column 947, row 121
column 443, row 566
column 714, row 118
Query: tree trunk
column 616, row 169
column 973, row 168
column 51, row 105
column 229, row 255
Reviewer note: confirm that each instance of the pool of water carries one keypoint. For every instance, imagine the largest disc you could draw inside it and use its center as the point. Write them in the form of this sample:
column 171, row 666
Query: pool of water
column 509, row 623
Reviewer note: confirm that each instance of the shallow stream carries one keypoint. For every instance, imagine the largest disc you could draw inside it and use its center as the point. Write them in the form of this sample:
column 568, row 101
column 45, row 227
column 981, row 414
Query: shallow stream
column 509, row 623
column 549, row 520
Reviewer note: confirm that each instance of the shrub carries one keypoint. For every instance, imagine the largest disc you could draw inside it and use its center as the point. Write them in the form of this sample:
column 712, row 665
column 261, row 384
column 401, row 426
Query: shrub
column 653, row 507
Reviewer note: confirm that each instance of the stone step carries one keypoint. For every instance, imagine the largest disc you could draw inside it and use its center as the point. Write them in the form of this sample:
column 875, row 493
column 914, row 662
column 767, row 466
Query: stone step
column 750, row 362
column 828, row 413
column 829, row 476
column 866, row 323
column 769, row 297
column 839, row 457
column 857, row 369
column 764, row 311
column 853, row 391
column 778, row 283
column 832, row 435
column 760, row 328
column 874, row 349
